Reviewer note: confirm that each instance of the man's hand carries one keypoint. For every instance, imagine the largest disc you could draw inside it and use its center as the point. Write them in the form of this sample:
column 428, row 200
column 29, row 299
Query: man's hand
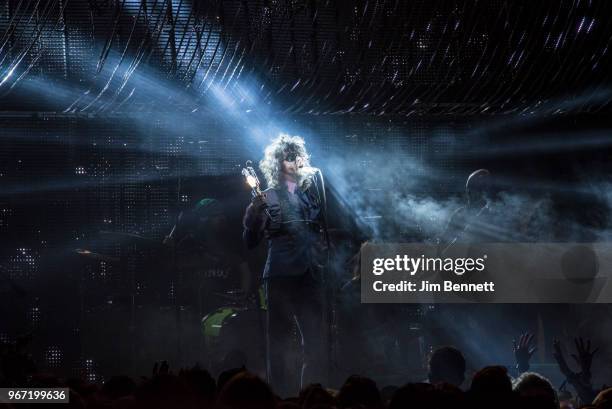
column 254, row 221
column 523, row 351
column 259, row 203
column 581, row 380
column 584, row 359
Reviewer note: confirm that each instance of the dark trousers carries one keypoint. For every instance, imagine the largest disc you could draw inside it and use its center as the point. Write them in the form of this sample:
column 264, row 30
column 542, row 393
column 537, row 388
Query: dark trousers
column 295, row 333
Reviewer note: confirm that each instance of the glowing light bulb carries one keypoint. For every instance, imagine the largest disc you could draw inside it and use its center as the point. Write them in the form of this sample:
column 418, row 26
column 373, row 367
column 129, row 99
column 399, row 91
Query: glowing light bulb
column 251, row 181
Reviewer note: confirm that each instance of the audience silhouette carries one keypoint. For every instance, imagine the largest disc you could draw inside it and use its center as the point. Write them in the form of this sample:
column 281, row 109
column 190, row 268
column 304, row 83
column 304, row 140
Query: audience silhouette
column 237, row 388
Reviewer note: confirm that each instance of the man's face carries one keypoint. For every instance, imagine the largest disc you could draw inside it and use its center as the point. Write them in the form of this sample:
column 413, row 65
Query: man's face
column 292, row 163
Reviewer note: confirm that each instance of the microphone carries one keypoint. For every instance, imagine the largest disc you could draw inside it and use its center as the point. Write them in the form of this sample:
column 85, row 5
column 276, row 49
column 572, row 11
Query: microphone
column 309, row 170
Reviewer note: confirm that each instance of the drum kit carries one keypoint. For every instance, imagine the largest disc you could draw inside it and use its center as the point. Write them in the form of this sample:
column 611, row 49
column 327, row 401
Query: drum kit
column 128, row 279
column 230, row 320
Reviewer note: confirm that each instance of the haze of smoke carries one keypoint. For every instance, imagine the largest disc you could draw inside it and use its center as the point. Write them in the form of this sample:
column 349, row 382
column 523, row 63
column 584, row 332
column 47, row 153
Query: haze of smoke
column 388, row 196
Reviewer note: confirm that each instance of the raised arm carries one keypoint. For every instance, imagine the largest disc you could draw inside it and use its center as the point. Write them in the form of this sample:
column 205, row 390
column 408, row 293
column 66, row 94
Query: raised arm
column 523, row 350
column 581, row 381
column 254, row 221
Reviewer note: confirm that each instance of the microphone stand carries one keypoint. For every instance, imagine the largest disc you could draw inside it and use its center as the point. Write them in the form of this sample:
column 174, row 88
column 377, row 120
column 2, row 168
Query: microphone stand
column 329, row 285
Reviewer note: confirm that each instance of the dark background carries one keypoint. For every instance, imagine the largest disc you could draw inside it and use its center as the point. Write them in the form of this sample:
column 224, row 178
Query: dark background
column 116, row 115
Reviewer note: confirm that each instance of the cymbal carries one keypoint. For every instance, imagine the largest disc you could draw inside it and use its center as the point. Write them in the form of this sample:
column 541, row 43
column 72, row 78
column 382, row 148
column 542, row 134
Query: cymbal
column 96, row 256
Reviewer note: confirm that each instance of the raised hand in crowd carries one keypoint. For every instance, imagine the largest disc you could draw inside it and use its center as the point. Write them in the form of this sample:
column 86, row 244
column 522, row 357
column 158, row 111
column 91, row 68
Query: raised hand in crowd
column 584, row 359
column 523, row 351
column 581, row 380
column 161, row 368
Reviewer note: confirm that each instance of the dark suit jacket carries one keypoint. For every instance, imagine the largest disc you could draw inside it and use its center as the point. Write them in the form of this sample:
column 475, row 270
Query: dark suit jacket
column 292, row 228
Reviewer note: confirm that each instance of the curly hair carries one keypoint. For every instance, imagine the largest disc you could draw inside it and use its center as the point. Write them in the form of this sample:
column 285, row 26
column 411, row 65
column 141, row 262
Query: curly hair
column 272, row 163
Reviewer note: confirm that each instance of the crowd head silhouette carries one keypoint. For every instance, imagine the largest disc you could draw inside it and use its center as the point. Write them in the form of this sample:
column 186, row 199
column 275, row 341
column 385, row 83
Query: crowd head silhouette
column 447, row 386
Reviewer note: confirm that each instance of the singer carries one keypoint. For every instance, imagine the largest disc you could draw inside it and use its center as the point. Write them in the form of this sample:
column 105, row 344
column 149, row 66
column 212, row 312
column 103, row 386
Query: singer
column 290, row 214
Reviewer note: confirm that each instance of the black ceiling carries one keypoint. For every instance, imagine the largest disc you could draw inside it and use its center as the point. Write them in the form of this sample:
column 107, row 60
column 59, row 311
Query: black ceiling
column 380, row 57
